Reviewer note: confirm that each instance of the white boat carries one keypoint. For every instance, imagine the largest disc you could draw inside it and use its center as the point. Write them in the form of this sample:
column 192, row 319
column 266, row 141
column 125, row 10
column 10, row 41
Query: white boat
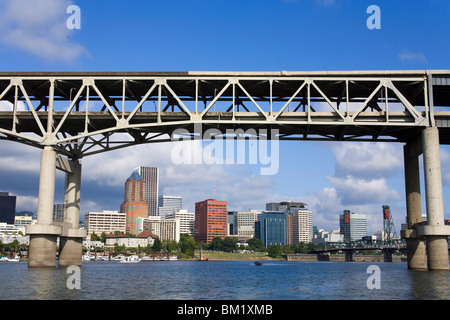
column 15, row 259
column 130, row 259
column 4, row 259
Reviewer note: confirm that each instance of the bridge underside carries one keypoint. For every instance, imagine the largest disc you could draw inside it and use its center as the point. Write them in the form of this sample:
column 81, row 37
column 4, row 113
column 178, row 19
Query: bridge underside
column 73, row 115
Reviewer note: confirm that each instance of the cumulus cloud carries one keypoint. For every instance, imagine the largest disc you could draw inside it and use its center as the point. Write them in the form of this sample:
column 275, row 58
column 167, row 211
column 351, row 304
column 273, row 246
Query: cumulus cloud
column 38, row 27
column 368, row 160
column 355, row 191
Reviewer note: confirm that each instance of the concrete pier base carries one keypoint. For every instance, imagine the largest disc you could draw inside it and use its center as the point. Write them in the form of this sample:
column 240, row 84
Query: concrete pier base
column 70, row 251
column 416, row 253
column 42, row 250
column 437, row 252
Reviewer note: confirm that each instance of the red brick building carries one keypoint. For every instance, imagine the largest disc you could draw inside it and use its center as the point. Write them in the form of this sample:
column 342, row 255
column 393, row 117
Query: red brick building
column 210, row 220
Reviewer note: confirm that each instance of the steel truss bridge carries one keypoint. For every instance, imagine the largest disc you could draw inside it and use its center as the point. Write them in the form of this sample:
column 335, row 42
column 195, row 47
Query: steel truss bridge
column 80, row 114
column 71, row 115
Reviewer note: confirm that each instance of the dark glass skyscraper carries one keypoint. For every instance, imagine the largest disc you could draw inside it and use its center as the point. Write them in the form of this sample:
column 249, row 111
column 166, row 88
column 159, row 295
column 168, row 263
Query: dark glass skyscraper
column 151, row 177
column 275, row 228
column 7, row 208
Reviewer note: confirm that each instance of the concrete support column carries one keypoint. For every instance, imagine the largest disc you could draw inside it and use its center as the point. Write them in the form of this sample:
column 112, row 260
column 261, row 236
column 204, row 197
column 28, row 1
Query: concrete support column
column 415, row 245
column 71, row 240
column 43, row 235
column 47, row 177
column 437, row 250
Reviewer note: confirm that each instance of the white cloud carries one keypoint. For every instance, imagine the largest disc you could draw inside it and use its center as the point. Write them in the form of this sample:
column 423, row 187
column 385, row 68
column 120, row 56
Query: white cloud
column 409, row 56
column 367, row 160
column 39, row 28
column 359, row 191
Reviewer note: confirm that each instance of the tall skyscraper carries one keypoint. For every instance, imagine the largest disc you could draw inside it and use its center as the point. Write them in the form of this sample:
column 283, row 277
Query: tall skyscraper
column 168, row 205
column 353, row 226
column 134, row 205
column 151, row 177
column 210, row 220
column 7, row 207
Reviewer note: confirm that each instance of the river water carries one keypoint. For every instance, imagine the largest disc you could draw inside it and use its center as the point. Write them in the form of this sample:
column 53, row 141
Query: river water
column 223, row 280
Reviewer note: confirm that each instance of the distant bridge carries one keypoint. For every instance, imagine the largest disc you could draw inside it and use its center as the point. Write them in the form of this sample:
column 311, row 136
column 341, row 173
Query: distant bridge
column 73, row 115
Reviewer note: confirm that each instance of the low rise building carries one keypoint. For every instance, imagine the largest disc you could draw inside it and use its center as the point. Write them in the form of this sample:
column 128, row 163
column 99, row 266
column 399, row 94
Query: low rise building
column 143, row 239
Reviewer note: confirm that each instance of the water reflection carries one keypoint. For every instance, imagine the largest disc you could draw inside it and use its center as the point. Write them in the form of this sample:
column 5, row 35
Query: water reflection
column 429, row 284
column 231, row 280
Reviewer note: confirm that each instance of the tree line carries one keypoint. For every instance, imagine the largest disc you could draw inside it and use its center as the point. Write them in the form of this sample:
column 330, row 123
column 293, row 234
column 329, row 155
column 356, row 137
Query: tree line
column 187, row 245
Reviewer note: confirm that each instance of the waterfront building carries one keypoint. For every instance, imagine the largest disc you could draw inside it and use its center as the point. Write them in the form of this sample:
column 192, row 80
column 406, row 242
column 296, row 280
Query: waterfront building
column 151, row 177
column 326, row 238
column 134, row 205
column 353, row 226
column 11, row 229
column 142, row 239
column 210, row 220
column 300, row 219
column 23, row 220
column 285, row 206
column 245, row 223
column 301, row 225
column 168, row 205
column 187, row 220
column 7, row 207
column 167, row 229
column 231, row 223
column 105, row 221
column 275, row 228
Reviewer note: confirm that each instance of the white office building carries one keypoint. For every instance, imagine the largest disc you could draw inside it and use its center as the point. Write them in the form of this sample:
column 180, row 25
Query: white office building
column 353, row 226
column 301, row 225
column 187, row 221
column 245, row 223
column 105, row 221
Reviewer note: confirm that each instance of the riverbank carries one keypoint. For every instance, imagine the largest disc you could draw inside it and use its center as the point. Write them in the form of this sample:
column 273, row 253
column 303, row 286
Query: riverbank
column 224, row 256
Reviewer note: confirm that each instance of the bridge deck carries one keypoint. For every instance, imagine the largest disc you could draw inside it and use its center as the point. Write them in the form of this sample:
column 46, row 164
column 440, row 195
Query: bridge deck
column 80, row 108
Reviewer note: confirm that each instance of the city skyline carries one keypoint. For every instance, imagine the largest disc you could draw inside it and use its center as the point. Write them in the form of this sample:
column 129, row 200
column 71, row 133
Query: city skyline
column 283, row 35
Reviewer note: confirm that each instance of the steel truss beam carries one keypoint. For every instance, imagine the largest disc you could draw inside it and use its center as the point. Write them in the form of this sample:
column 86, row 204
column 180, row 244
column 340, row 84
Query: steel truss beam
column 83, row 114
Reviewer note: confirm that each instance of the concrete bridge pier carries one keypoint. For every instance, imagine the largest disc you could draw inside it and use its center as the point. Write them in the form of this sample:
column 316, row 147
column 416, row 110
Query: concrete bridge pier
column 435, row 231
column 71, row 239
column 415, row 244
column 44, row 234
column 426, row 242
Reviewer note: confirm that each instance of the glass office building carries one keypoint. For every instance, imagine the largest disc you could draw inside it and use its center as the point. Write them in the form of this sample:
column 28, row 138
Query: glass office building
column 274, row 228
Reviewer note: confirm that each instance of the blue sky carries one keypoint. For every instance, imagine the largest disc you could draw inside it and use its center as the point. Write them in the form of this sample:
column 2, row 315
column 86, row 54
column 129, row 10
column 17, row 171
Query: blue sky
column 219, row 35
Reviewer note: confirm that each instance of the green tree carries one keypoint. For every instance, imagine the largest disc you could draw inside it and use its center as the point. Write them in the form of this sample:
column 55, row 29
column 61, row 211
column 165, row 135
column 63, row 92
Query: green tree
column 216, row 244
column 95, row 237
column 229, row 244
column 186, row 244
column 255, row 244
column 157, row 246
column 287, row 248
column 274, row 250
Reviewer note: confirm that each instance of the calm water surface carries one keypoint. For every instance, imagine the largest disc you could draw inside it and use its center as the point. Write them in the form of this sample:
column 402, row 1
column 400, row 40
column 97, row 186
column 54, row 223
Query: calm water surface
column 223, row 280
